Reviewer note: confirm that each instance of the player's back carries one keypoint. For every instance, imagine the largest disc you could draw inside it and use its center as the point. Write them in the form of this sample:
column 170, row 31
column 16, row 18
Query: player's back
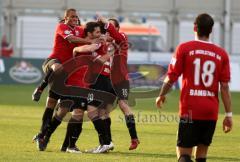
column 204, row 66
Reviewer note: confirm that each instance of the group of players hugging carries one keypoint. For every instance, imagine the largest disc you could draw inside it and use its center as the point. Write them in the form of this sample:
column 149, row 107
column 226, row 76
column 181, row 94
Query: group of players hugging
column 86, row 71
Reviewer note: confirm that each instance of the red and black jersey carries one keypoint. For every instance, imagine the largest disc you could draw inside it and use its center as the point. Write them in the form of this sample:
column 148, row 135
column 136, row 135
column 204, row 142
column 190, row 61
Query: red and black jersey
column 78, row 77
column 202, row 65
column 62, row 49
column 119, row 69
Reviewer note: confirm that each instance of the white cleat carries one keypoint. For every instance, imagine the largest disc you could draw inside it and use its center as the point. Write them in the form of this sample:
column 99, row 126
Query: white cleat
column 74, row 150
column 101, row 149
column 111, row 146
column 93, row 149
column 104, row 148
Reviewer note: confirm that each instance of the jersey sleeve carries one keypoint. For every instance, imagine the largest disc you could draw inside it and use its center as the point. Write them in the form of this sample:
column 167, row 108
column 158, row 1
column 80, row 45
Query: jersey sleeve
column 116, row 35
column 175, row 67
column 225, row 71
column 81, row 31
column 64, row 31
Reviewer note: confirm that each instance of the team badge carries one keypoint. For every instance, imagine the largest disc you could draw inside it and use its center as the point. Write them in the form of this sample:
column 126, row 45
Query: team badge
column 77, row 33
column 67, row 32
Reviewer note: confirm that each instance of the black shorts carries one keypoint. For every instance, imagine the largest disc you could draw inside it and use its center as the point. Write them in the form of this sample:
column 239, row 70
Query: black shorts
column 122, row 90
column 48, row 63
column 103, row 83
column 73, row 103
column 194, row 132
column 54, row 95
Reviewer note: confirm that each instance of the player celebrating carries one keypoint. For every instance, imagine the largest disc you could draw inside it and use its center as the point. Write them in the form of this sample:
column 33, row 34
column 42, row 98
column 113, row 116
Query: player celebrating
column 119, row 77
column 67, row 35
column 203, row 66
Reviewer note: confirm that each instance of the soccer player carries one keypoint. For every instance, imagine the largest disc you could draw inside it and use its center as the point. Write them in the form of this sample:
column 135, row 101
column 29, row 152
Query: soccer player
column 203, row 66
column 67, row 36
column 119, row 77
column 99, row 79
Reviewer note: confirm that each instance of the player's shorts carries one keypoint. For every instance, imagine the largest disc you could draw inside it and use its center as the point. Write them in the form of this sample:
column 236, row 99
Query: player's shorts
column 122, row 90
column 54, row 95
column 48, row 63
column 194, row 132
column 73, row 103
column 103, row 83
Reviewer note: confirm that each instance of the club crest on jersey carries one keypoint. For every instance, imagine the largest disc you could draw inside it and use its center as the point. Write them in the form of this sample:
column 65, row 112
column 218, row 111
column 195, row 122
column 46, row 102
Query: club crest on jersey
column 77, row 33
column 67, row 32
column 173, row 61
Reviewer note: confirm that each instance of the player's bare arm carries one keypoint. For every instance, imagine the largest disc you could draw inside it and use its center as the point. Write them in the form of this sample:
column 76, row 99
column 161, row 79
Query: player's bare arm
column 85, row 48
column 91, row 48
column 226, row 98
column 167, row 84
column 74, row 39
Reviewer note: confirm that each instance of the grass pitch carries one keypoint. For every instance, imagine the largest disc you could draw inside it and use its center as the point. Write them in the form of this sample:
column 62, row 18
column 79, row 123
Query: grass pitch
column 20, row 119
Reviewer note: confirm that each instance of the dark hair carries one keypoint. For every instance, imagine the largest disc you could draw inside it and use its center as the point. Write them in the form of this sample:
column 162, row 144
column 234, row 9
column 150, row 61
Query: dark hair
column 79, row 22
column 90, row 27
column 204, row 23
column 116, row 23
column 67, row 11
column 102, row 27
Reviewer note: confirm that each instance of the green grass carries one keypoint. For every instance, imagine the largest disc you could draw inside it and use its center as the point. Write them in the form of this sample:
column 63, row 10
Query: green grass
column 20, row 119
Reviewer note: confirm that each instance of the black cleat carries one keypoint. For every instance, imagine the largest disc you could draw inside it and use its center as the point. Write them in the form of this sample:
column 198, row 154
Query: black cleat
column 36, row 94
column 41, row 142
column 63, row 149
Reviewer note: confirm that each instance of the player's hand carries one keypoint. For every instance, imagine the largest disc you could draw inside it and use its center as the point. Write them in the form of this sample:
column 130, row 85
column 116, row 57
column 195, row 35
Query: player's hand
column 103, row 38
column 101, row 19
column 160, row 100
column 94, row 47
column 227, row 124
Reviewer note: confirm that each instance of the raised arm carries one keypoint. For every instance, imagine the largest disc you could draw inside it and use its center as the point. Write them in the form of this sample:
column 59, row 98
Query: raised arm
column 116, row 35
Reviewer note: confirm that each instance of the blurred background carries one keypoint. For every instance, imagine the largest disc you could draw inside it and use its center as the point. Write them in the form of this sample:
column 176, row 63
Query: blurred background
column 154, row 28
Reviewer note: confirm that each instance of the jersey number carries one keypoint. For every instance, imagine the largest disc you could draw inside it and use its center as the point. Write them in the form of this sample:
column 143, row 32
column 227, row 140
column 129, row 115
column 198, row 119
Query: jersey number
column 207, row 70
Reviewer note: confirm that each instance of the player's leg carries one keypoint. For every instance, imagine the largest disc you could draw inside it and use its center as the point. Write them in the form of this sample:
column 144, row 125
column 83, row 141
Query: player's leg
column 74, row 130
column 105, row 143
column 122, row 91
column 201, row 153
column 187, row 138
column 53, row 124
column 98, row 123
column 74, row 127
column 51, row 103
column 206, row 131
column 184, row 154
column 130, row 122
column 47, row 115
column 104, row 114
column 49, row 66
